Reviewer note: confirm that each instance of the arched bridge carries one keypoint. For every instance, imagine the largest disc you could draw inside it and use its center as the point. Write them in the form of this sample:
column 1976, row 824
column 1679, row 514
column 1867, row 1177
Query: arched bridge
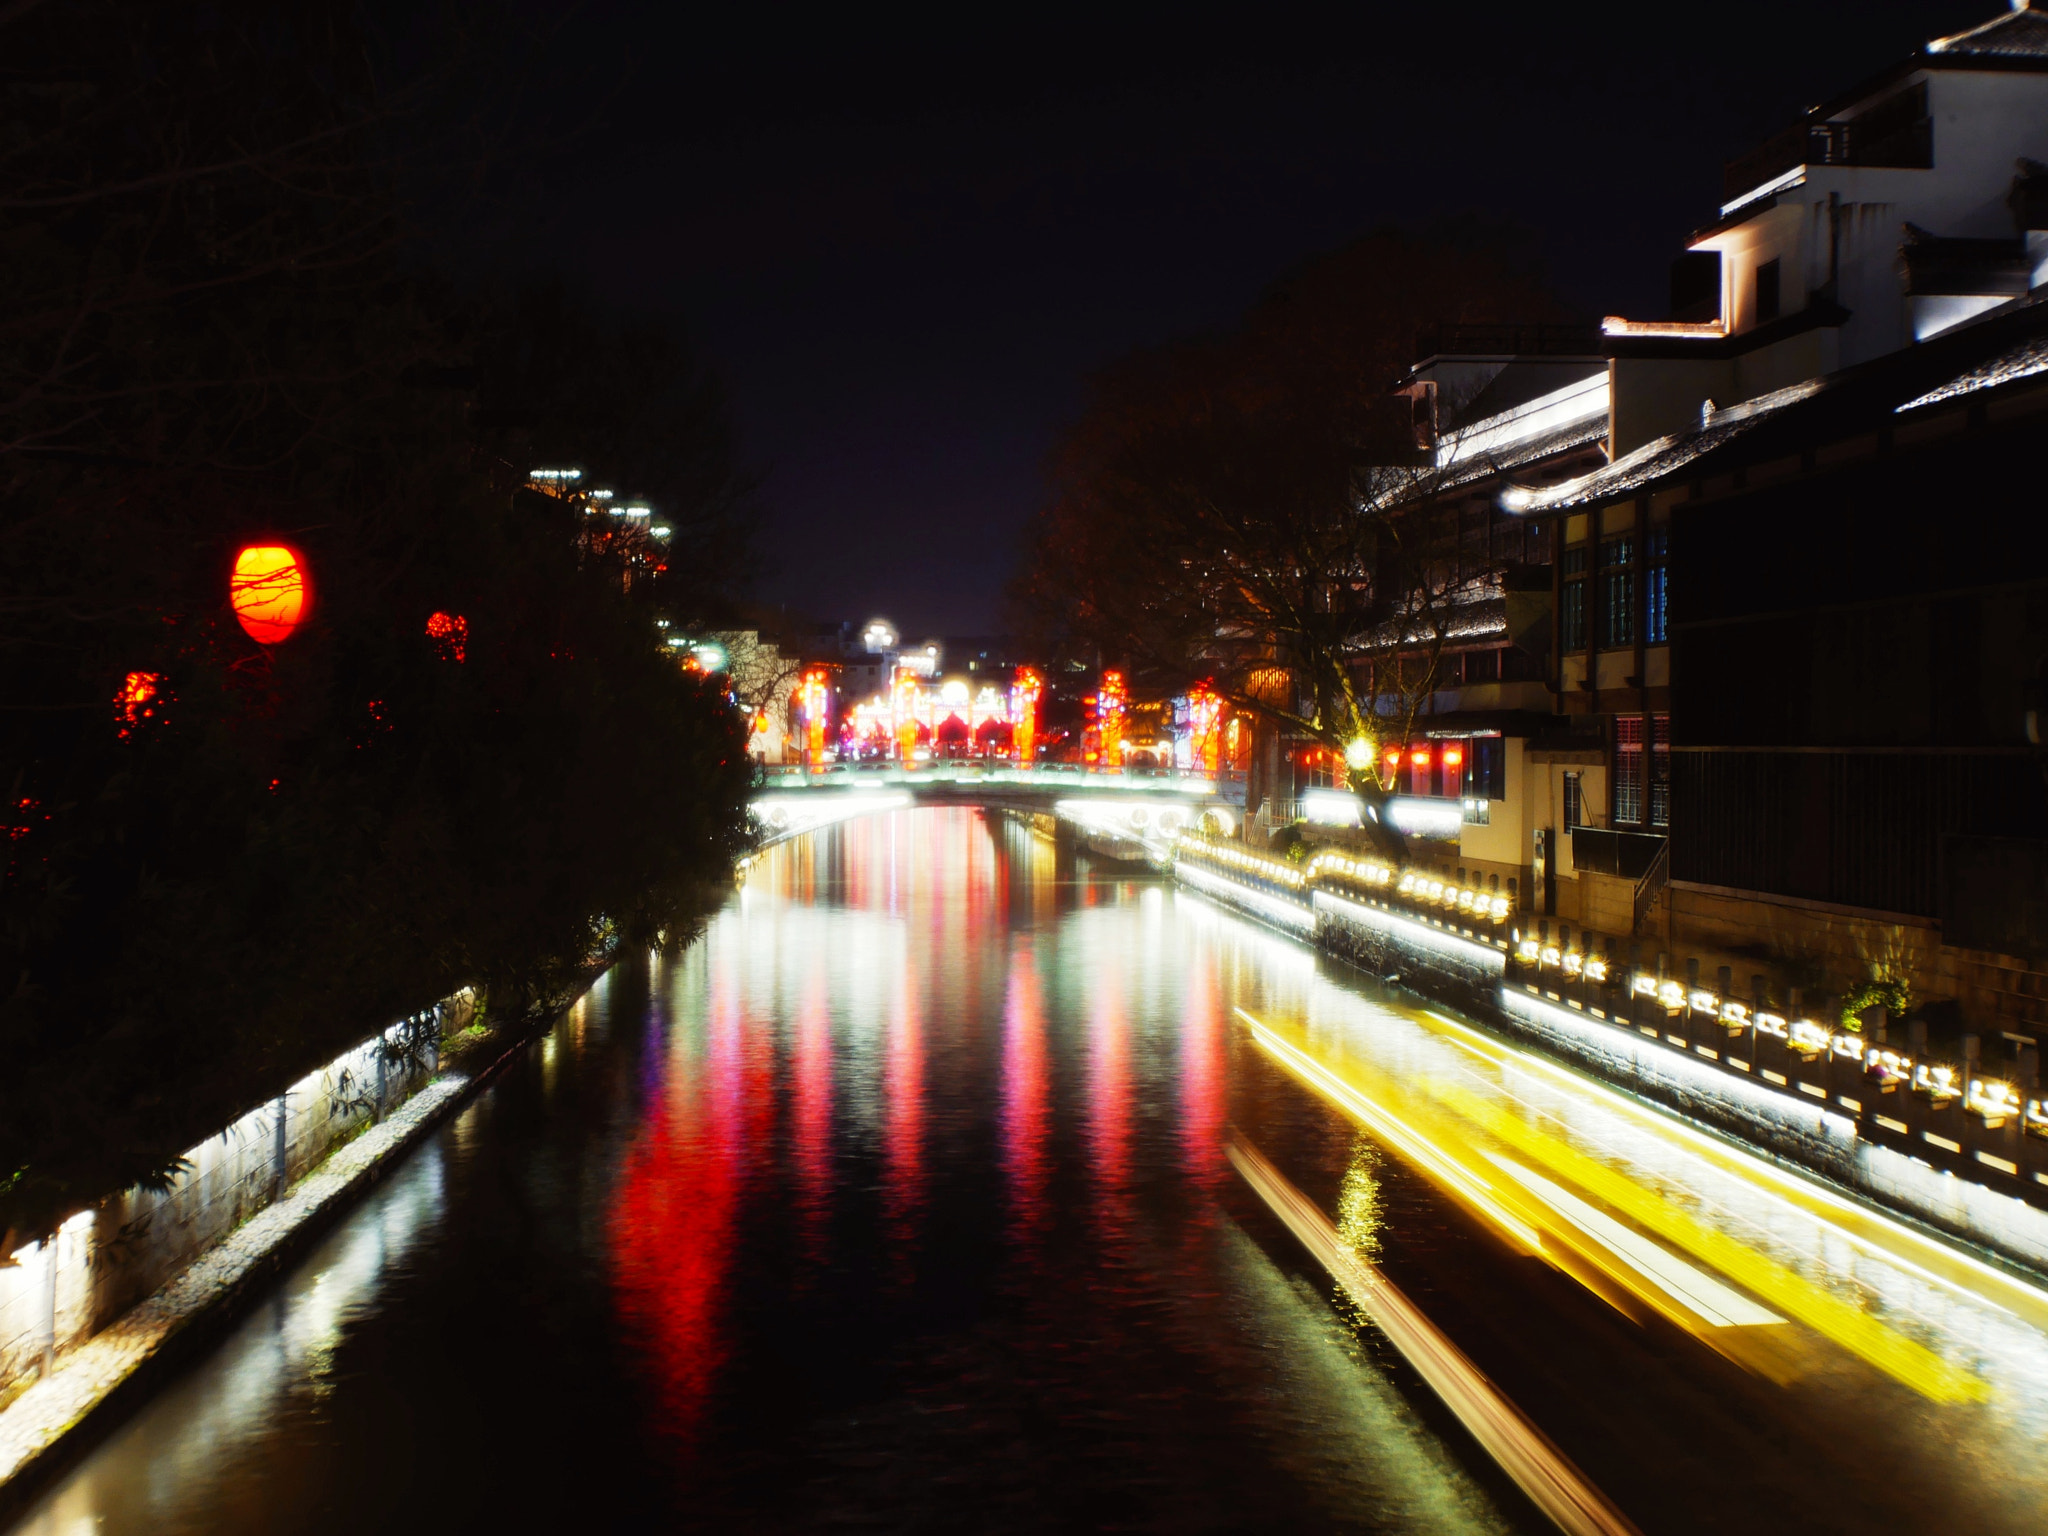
column 1123, row 812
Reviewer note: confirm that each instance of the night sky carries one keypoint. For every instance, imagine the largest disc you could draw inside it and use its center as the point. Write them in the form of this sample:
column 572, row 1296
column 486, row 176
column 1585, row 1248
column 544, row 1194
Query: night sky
column 905, row 237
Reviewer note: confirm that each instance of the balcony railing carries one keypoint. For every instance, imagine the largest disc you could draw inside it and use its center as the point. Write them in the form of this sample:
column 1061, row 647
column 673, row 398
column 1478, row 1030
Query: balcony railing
column 1910, row 146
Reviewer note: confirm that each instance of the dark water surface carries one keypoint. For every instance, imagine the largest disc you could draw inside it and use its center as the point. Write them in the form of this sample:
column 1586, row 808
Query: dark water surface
column 899, row 1202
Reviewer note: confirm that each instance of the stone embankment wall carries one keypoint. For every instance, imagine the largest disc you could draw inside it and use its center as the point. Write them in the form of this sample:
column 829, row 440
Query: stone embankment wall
column 58, row 1293
column 1922, row 1158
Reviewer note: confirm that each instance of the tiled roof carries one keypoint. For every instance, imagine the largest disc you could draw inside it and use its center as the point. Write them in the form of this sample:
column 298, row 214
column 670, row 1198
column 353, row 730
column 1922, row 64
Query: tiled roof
column 1482, row 466
column 2017, row 34
column 2009, row 345
column 1666, row 455
column 2029, row 357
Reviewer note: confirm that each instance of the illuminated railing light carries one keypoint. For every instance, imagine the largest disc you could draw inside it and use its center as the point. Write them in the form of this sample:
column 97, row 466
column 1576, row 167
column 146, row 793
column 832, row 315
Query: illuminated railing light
column 1672, row 995
column 1770, row 1024
column 1996, row 1101
column 1936, row 1080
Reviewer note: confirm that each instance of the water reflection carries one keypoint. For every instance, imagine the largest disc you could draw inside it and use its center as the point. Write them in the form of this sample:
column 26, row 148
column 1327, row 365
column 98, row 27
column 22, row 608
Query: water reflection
column 897, row 1200
column 1027, row 1096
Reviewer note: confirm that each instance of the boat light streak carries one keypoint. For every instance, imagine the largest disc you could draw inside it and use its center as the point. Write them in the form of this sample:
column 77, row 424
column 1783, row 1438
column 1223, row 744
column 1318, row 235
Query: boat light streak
column 1719, row 1305
column 1523, row 1451
column 1395, row 1132
column 1903, row 1359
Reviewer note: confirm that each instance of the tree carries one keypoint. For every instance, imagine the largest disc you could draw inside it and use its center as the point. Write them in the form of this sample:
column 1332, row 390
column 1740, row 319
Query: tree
column 218, row 334
column 1256, row 511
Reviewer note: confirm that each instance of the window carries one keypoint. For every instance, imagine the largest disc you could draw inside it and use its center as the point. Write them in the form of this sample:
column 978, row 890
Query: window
column 1482, row 666
column 1486, row 776
column 1660, row 770
column 1571, row 611
column 1617, row 594
column 1574, row 801
column 1767, row 291
column 1657, row 589
column 1628, row 770
column 1507, row 541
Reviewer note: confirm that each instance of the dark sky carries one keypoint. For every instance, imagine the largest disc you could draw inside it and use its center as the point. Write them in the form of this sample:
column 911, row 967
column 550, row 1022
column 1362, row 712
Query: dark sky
column 906, row 235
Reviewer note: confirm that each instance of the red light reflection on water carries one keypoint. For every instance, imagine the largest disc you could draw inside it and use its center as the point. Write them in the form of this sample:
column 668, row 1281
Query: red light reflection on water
column 903, row 1134
column 1109, row 1101
column 1027, row 1090
column 812, row 1133
column 673, row 1216
column 1203, row 1075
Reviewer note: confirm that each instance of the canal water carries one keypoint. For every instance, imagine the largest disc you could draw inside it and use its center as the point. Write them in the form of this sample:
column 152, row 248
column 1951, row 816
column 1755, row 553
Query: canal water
column 900, row 1201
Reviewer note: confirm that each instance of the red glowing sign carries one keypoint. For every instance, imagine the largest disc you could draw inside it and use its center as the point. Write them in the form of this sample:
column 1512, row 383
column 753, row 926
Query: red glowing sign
column 271, row 591
column 450, row 634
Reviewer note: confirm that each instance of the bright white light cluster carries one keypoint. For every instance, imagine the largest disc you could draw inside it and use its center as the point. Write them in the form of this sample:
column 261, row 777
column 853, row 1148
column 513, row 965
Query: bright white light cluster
column 1288, row 914
column 1466, row 901
column 1242, row 858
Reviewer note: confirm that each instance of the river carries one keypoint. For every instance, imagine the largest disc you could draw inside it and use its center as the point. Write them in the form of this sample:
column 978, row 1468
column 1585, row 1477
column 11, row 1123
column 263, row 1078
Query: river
column 899, row 1200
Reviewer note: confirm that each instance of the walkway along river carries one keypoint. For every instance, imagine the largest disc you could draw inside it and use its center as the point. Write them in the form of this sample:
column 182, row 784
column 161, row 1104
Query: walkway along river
column 905, row 1198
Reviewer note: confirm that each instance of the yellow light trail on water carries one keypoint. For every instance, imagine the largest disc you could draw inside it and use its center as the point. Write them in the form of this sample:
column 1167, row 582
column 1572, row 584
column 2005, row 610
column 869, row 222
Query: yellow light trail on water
column 1899, row 1357
column 1868, row 1230
column 1523, row 1451
column 1539, row 1217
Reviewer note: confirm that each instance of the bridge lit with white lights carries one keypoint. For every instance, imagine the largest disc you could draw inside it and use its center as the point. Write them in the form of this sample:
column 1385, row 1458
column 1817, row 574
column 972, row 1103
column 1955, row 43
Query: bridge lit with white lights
column 1141, row 811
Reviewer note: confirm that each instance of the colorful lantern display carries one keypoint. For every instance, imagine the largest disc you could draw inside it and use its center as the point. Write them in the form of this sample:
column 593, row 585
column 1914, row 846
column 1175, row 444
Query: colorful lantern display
column 1205, row 728
column 271, row 592
column 1110, row 700
column 815, row 698
column 1024, row 695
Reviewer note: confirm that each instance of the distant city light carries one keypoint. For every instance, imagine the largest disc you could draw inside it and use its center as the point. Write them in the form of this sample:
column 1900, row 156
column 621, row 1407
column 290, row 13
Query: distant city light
column 559, row 475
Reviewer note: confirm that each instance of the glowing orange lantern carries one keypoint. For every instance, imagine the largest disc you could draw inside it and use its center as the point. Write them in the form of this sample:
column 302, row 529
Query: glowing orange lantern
column 271, row 592
column 1419, row 757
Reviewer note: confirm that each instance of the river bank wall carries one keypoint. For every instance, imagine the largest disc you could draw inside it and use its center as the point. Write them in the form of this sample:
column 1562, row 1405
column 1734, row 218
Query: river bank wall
column 100, row 1312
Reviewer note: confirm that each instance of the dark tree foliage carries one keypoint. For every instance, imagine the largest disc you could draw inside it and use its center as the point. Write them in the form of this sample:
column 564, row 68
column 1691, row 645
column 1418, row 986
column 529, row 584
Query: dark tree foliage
column 214, row 336
column 1250, row 510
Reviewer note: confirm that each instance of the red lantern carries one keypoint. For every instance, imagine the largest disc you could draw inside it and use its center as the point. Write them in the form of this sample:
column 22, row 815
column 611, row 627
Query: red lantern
column 139, row 699
column 271, row 592
column 450, row 634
